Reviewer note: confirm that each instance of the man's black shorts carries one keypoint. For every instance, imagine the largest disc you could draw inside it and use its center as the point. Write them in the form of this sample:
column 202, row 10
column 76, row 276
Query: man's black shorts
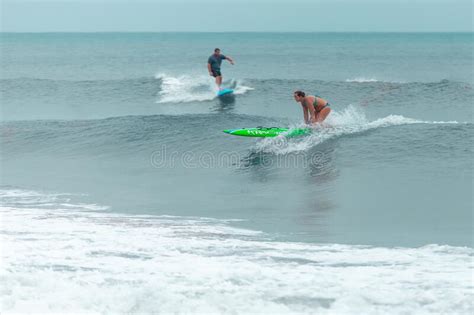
column 216, row 73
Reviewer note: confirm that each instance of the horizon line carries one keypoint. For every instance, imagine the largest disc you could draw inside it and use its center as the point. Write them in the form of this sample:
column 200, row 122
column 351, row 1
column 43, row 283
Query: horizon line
column 223, row 32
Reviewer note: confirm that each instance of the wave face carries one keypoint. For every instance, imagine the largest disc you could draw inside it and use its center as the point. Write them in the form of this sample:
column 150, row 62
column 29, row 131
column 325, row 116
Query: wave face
column 63, row 257
column 32, row 98
column 126, row 134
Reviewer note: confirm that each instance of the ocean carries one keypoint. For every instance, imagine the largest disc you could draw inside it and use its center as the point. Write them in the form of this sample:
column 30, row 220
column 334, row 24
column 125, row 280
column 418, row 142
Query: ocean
column 121, row 194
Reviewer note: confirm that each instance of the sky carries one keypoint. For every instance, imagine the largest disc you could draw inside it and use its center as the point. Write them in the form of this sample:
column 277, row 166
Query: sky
column 236, row 15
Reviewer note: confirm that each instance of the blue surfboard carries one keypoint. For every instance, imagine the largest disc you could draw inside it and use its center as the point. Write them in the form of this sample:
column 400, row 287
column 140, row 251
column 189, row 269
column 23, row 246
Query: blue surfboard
column 225, row 92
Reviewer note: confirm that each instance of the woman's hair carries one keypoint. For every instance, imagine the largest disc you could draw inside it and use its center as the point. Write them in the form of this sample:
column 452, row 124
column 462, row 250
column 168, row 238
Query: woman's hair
column 300, row 93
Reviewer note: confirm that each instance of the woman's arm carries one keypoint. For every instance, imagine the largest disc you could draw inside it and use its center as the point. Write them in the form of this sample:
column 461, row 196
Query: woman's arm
column 311, row 109
column 305, row 114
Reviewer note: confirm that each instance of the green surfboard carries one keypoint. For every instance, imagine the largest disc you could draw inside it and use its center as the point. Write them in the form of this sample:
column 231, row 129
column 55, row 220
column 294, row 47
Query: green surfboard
column 263, row 132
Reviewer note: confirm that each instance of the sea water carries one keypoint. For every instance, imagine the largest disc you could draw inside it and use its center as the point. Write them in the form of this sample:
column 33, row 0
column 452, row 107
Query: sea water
column 121, row 194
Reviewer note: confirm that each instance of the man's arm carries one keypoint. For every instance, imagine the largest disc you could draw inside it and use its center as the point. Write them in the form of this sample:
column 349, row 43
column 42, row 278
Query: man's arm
column 230, row 60
column 209, row 68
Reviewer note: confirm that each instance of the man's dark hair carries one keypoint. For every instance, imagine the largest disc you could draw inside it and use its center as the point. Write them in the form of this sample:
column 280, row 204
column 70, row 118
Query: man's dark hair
column 216, row 50
column 300, row 93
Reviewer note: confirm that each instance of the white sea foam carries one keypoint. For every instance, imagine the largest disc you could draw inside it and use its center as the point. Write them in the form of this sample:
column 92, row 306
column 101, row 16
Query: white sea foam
column 362, row 80
column 65, row 260
column 20, row 197
column 349, row 121
column 188, row 88
column 370, row 80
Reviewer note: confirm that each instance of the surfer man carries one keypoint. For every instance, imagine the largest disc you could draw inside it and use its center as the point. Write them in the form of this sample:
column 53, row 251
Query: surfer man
column 214, row 65
column 315, row 108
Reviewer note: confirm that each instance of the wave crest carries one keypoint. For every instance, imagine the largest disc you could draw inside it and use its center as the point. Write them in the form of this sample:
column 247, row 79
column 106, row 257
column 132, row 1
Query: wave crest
column 349, row 121
column 188, row 88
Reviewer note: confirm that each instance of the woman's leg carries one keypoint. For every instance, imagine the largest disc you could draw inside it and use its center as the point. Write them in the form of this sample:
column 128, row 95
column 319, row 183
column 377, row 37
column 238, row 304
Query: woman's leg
column 321, row 116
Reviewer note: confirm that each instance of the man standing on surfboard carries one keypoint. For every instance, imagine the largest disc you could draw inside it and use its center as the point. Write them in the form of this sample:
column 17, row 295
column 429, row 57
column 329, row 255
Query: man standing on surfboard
column 214, row 65
column 315, row 108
